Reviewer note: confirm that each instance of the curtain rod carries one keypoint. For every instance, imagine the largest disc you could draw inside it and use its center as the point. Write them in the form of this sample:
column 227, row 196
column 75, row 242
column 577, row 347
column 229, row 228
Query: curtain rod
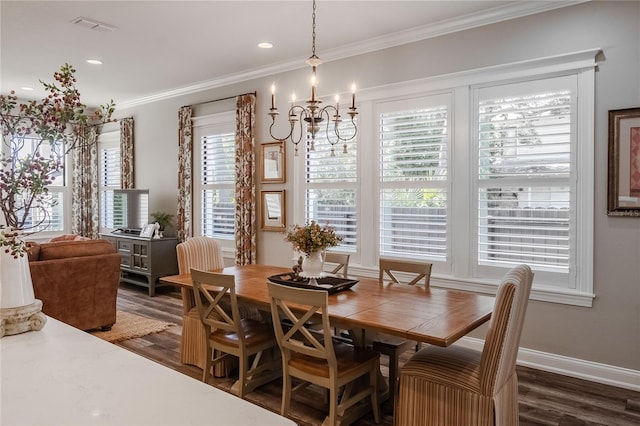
column 254, row 93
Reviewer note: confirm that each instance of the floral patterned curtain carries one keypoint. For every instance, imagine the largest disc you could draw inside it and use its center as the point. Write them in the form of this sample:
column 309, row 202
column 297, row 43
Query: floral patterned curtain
column 245, row 180
column 185, row 167
column 126, row 152
column 84, row 203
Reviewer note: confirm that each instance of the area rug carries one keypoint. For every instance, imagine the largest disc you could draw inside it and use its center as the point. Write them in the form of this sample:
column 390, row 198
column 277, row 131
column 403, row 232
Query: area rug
column 130, row 326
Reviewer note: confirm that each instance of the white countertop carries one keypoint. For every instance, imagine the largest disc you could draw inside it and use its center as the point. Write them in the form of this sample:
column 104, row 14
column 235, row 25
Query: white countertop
column 64, row 376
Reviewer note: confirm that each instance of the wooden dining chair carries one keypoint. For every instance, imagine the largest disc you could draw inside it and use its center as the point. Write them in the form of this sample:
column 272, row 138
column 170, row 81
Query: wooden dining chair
column 393, row 346
column 458, row 386
column 389, row 266
column 202, row 253
column 318, row 359
column 341, row 262
column 229, row 334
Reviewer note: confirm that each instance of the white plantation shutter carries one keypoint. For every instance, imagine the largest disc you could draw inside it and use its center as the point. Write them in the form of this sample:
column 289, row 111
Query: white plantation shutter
column 217, row 185
column 110, row 171
column 526, row 140
column 414, row 178
column 331, row 182
column 51, row 218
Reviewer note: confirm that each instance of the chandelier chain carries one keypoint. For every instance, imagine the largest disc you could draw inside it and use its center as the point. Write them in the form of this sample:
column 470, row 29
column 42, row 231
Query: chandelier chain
column 313, row 30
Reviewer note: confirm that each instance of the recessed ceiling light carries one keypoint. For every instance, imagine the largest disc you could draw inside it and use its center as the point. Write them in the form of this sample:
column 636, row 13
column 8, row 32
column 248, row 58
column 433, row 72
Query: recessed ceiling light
column 94, row 61
column 265, row 45
column 27, row 88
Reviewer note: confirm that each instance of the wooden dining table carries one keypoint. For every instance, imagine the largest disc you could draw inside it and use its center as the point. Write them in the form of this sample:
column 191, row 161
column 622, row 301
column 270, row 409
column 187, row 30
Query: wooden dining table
column 428, row 315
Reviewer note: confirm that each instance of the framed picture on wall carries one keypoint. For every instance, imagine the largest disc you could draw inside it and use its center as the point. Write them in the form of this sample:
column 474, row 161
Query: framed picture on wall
column 273, row 162
column 624, row 162
column 273, row 210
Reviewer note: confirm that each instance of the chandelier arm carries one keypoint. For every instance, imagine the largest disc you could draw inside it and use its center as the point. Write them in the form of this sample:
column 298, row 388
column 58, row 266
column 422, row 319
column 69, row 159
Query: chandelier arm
column 273, row 122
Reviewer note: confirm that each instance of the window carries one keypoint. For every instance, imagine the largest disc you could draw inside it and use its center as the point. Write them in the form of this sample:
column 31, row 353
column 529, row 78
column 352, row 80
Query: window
column 413, row 178
column 475, row 172
column 214, row 176
column 331, row 184
column 526, row 138
column 49, row 218
column 109, row 163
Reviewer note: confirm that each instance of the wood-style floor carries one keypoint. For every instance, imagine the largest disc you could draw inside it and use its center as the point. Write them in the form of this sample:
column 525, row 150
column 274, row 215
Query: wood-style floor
column 544, row 398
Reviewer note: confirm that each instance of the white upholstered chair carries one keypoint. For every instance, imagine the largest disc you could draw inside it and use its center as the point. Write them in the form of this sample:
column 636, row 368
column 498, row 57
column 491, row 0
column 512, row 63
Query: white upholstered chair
column 314, row 357
column 458, row 386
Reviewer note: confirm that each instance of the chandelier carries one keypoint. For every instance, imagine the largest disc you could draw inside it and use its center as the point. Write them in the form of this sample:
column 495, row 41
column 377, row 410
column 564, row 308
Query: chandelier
column 306, row 120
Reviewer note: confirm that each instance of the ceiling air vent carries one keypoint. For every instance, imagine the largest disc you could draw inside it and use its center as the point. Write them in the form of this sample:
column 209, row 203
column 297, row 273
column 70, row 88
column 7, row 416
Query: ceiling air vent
column 92, row 24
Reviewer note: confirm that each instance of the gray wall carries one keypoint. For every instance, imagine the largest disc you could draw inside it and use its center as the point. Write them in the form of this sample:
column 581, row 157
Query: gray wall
column 607, row 333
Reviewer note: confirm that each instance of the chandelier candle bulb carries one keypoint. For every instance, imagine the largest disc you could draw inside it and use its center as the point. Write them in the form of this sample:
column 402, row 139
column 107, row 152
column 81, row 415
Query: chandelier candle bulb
column 273, row 96
column 353, row 96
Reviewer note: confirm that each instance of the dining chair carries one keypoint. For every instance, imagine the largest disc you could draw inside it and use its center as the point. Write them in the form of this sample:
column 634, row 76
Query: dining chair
column 393, row 346
column 229, row 334
column 458, row 386
column 202, row 253
column 341, row 261
column 316, row 358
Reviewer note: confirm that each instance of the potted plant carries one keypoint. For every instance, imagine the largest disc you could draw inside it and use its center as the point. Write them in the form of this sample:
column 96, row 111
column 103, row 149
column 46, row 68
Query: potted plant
column 36, row 136
column 163, row 220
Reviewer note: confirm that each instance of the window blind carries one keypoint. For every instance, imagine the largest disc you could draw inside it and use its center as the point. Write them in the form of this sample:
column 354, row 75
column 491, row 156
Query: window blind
column 110, row 171
column 217, row 174
column 331, row 196
column 525, row 143
column 413, row 182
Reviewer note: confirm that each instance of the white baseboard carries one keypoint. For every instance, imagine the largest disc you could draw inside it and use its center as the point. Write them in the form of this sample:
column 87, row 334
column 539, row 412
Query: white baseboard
column 572, row 367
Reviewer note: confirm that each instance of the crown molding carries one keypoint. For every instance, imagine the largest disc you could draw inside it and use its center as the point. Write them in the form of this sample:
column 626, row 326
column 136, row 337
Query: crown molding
column 491, row 16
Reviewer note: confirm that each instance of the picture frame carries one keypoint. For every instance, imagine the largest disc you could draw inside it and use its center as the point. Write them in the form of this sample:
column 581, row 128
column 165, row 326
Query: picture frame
column 273, row 217
column 147, row 231
column 624, row 163
column 273, row 162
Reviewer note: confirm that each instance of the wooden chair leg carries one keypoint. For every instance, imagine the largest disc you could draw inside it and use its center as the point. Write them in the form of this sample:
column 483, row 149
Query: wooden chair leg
column 375, row 406
column 206, row 372
column 286, row 394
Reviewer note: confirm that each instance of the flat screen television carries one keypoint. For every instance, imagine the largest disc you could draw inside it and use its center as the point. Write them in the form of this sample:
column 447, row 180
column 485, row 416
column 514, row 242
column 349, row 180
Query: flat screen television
column 130, row 209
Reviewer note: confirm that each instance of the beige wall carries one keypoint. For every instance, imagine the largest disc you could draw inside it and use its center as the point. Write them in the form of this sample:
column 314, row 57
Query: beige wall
column 607, row 333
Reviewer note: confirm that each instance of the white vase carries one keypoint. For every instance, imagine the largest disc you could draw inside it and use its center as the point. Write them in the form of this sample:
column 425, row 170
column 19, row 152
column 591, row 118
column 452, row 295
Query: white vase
column 15, row 281
column 312, row 264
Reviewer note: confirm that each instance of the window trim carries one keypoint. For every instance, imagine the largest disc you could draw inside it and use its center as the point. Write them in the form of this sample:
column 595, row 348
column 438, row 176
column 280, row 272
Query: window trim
column 460, row 84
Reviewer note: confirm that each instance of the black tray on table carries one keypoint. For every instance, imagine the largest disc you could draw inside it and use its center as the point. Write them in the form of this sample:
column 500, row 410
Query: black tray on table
column 330, row 284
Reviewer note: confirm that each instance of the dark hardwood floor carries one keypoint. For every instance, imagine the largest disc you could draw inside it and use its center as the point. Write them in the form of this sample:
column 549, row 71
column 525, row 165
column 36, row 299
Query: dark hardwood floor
column 544, row 398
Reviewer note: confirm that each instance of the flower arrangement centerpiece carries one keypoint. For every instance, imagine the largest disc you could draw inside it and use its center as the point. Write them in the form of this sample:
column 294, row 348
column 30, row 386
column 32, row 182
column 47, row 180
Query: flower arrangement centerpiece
column 312, row 240
column 36, row 137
